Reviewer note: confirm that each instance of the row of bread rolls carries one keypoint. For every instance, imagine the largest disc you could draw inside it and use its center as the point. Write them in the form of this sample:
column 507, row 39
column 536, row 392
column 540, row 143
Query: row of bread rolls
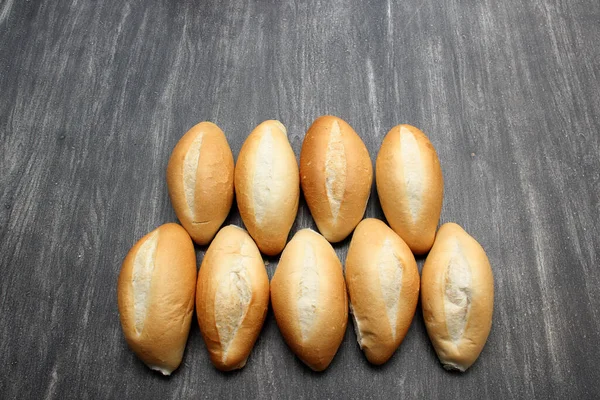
column 158, row 285
column 310, row 308
column 335, row 174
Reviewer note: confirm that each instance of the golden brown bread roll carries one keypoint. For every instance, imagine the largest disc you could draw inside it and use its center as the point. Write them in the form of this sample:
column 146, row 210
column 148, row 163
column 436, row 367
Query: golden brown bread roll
column 232, row 297
column 336, row 176
column 308, row 294
column 383, row 286
column 457, row 296
column 200, row 181
column 410, row 186
column 267, row 186
column 156, row 296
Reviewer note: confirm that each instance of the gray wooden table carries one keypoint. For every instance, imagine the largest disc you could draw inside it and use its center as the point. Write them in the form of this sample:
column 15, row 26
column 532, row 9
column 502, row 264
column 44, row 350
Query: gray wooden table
column 94, row 95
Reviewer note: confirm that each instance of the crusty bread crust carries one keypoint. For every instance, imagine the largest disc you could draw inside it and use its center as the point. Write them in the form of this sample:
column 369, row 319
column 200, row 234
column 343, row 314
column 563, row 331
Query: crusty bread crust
column 267, row 186
column 308, row 294
column 336, row 176
column 232, row 297
column 457, row 296
column 169, row 301
column 383, row 287
column 410, row 186
column 200, row 181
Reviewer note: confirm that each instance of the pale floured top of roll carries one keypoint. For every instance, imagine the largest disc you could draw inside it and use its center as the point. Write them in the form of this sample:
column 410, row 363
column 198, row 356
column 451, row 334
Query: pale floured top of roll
column 412, row 166
column 190, row 168
column 143, row 267
column 457, row 294
column 390, row 280
column 357, row 328
column 265, row 175
column 335, row 170
column 232, row 298
column 308, row 293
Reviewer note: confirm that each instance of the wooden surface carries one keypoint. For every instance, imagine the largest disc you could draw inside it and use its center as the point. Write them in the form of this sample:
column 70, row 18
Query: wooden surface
column 94, row 95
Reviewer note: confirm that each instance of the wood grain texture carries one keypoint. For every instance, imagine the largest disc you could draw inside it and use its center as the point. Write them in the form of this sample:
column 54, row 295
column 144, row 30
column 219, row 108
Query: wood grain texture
column 94, row 96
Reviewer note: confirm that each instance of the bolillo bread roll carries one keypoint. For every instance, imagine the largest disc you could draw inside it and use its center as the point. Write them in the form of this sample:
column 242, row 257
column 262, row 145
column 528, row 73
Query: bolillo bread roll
column 267, row 186
column 309, row 301
column 232, row 297
column 383, row 286
column 200, row 181
column 336, row 176
column 457, row 296
column 410, row 186
column 156, row 296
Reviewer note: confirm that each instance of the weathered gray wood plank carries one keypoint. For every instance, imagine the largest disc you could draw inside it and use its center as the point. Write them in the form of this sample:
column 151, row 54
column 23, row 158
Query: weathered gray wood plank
column 94, row 95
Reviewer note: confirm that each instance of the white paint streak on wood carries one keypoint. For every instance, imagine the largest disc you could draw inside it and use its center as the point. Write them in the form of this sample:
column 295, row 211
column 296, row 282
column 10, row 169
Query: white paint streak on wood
column 5, row 11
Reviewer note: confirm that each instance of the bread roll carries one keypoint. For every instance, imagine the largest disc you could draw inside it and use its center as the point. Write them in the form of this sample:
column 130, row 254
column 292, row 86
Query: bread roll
column 336, row 176
column 156, row 296
column 383, row 286
column 267, row 186
column 410, row 186
column 232, row 297
column 309, row 301
column 457, row 296
column 200, row 181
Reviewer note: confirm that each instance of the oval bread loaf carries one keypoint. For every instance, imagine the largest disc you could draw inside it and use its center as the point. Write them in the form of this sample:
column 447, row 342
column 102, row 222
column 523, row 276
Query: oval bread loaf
column 232, row 297
column 383, row 286
column 336, row 176
column 309, row 300
column 267, row 186
column 457, row 296
column 410, row 186
column 156, row 296
column 200, row 181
